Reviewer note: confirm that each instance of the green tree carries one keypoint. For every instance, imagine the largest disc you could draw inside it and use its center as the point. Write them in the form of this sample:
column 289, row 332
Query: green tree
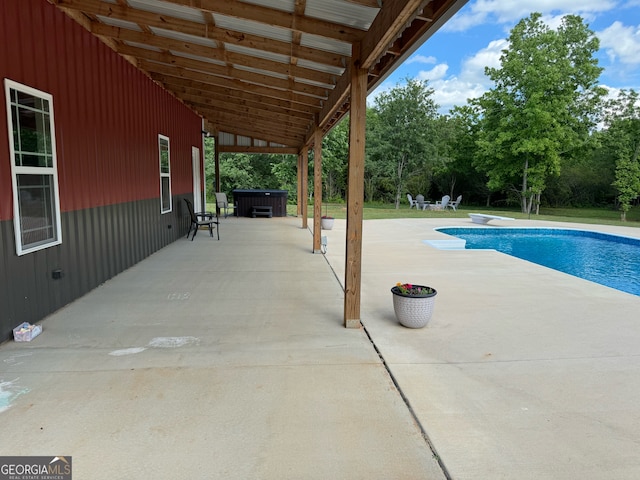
column 209, row 166
column 585, row 179
column 335, row 154
column 284, row 171
column 237, row 171
column 405, row 129
column 460, row 135
column 240, row 170
column 622, row 139
column 543, row 105
column 377, row 185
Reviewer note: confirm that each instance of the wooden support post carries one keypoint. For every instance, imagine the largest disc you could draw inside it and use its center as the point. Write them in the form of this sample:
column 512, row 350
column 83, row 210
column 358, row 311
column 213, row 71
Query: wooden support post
column 355, row 192
column 317, row 189
column 216, row 186
column 216, row 157
column 299, row 186
column 304, row 190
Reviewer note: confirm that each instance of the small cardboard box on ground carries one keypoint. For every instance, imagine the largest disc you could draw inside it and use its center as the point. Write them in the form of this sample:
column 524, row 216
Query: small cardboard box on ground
column 26, row 332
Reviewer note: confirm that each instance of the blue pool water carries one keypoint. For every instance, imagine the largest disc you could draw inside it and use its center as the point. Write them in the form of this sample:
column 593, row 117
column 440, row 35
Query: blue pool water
column 610, row 260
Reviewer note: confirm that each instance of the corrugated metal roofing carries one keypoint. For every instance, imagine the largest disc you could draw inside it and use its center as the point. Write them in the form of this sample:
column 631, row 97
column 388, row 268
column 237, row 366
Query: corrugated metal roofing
column 344, row 13
column 254, row 52
column 321, row 67
column 327, row 44
column 143, row 45
column 171, row 9
column 225, row 138
column 184, row 37
column 119, row 23
column 274, row 69
column 197, row 57
column 312, row 82
column 284, row 5
column 253, row 28
column 244, row 141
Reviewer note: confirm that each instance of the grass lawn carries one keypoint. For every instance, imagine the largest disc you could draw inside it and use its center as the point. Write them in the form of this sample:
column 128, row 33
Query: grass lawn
column 600, row 216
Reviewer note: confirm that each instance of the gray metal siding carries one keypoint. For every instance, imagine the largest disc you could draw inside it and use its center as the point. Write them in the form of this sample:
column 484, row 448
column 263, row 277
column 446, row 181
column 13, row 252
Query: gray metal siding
column 98, row 243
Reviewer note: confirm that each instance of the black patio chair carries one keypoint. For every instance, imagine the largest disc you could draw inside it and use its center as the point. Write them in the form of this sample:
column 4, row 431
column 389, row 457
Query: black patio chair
column 209, row 219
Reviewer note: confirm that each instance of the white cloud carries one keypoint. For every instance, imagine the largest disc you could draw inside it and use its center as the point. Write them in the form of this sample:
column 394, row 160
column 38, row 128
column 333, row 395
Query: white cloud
column 436, row 73
column 421, row 59
column 471, row 82
column 501, row 12
column 452, row 87
column 621, row 43
column 461, row 22
column 451, row 90
column 473, row 67
column 612, row 92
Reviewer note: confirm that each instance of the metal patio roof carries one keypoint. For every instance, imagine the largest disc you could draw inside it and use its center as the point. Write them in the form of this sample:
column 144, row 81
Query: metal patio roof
column 262, row 73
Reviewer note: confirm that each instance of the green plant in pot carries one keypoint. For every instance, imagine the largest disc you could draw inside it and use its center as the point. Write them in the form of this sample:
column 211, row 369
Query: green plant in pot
column 413, row 304
column 326, row 221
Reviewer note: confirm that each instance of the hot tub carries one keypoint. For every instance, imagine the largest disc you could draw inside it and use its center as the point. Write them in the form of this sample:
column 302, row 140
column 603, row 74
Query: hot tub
column 247, row 199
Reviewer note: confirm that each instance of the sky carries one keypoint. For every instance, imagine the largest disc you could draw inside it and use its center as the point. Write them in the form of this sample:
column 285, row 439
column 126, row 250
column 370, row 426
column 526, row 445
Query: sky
column 453, row 59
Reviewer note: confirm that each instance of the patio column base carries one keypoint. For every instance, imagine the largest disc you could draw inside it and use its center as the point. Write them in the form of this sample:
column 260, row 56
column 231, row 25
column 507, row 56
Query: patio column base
column 352, row 323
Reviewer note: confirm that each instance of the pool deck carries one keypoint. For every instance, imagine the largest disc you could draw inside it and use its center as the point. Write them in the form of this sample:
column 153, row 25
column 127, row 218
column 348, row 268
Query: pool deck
column 229, row 360
column 523, row 372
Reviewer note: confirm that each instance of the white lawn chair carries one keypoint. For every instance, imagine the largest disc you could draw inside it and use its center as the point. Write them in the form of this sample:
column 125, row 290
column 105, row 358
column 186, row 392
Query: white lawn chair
column 442, row 204
column 412, row 202
column 223, row 204
column 454, row 205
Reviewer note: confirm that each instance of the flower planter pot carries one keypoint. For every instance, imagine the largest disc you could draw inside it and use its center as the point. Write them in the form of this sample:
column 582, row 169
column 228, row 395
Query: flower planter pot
column 413, row 311
column 326, row 223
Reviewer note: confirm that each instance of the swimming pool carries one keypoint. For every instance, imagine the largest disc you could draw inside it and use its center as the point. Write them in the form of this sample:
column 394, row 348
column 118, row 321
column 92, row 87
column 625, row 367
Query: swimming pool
column 606, row 259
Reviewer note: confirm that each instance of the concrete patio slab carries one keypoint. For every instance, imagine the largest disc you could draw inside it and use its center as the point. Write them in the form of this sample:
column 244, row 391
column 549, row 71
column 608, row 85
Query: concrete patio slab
column 212, row 360
column 229, row 360
column 523, row 372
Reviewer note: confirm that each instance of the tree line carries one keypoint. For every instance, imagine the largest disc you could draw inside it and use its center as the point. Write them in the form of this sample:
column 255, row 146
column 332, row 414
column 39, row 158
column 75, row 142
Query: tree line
column 545, row 134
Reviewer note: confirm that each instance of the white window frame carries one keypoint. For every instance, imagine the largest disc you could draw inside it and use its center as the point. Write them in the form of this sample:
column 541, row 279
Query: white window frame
column 165, row 175
column 45, row 171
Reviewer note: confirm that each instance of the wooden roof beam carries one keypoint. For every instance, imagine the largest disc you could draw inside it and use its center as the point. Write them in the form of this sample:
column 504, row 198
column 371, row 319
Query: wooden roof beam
column 120, row 12
column 425, row 21
column 367, row 3
column 221, row 70
column 243, row 120
column 280, row 18
column 231, row 97
column 385, row 28
column 216, row 54
column 390, row 24
column 269, row 115
column 159, row 71
column 281, row 48
column 206, row 68
column 223, row 122
column 253, row 149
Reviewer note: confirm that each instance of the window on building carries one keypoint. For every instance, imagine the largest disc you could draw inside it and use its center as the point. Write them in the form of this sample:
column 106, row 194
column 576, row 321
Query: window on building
column 165, row 174
column 36, row 201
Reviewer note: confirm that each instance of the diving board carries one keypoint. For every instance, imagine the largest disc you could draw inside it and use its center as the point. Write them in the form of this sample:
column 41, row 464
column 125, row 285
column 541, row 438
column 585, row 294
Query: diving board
column 484, row 218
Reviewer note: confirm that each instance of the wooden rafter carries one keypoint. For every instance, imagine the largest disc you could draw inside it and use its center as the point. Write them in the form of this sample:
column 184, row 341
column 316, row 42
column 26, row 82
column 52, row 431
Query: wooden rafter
column 212, row 82
column 260, row 14
column 274, row 74
column 234, row 95
column 227, row 37
column 271, row 69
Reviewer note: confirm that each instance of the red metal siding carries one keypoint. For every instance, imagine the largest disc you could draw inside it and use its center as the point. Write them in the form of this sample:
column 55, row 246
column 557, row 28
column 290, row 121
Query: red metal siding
column 107, row 114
